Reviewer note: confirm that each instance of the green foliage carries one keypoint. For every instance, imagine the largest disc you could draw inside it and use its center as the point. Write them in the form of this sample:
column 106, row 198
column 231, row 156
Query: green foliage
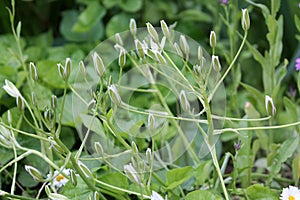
column 210, row 155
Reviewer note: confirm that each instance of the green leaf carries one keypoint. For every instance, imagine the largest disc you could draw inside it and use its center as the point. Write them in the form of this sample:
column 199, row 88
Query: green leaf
column 176, row 177
column 48, row 73
column 80, row 191
column 297, row 22
column 131, row 5
column 275, row 6
column 117, row 24
column 195, row 15
column 259, row 192
column 203, row 171
column 89, row 17
column 265, row 9
column 286, row 150
column 291, row 108
column 67, row 118
column 202, row 195
column 66, row 28
column 116, row 179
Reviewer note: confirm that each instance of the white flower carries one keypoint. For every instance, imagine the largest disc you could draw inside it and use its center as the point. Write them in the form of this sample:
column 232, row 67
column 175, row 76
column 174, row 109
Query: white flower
column 269, row 102
column 290, row 193
column 156, row 196
column 59, row 180
column 11, row 89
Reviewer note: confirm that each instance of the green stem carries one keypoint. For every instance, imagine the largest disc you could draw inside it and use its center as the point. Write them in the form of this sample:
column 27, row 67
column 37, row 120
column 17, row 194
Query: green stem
column 229, row 68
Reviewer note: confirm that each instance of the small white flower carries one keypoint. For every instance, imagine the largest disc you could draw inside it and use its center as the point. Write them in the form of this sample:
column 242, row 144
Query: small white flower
column 290, row 193
column 11, row 89
column 59, row 179
column 156, row 196
column 269, row 102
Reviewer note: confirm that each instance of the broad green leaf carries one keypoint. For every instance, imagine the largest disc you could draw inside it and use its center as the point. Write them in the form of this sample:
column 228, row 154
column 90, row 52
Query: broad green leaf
column 66, row 28
column 275, row 4
column 176, row 177
column 257, row 55
column 259, row 192
column 67, row 136
column 41, row 93
column 117, row 23
column 202, row 195
column 286, row 150
column 89, row 17
column 194, row 15
column 93, row 124
column 6, row 155
column 80, row 191
column 291, row 108
column 257, row 96
column 297, row 22
column 203, row 171
column 131, row 5
column 265, row 9
column 48, row 73
column 115, row 179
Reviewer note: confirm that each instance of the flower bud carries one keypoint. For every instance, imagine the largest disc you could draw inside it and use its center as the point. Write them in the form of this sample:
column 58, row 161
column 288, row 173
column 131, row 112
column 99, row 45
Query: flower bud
column 91, row 104
column 178, row 50
column 269, row 103
column 132, row 27
column 96, row 195
column 156, row 196
column 184, row 46
column 85, row 169
column 47, row 189
column 152, row 32
column 184, row 101
column 119, row 39
column 245, row 20
column 36, row 175
column 61, row 70
column 151, row 122
column 56, row 196
column 98, row 65
column 131, row 173
column 114, row 95
column 53, row 102
column 33, row 99
column 149, row 155
column 216, row 63
column 33, row 71
column 212, row 39
column 68, row 67
column 122, row 58
column 82, row 68
column 160, row 58
column 200, row 54
column 11, row 89
column 135, row 149
column 20, row 103
column 139, row 48
column 99, row 148
column 165, row 29
column 9, row 119
column 73, row 178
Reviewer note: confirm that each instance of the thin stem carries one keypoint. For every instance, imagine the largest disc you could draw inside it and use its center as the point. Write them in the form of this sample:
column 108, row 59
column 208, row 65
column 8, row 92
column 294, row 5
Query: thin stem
column 229, row 68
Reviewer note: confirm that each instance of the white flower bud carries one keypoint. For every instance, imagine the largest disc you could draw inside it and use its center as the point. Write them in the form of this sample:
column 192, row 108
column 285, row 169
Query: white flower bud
column 114, row 95
column 160, row 58
column 245, row 20
column 98, row 65
column 85, row 169
column 33, row 71
column 20, row 103
column 56, row 196
column 156, row 196
column 132, row 27
column 119, row 39
column 122, row 58
column 212, row 39
column 151, row 122
column 139, row 48
column 36, row 175
column 152, row 32
column 99, row 148
column 178, row 50
column 131, row 173
column 9, row 119
column 82, row 68
column 269, row 103
column 165, row 29
column 216, row 63
column 53, row 101
column 184, row 102
column 184, row 46
column 11, row 89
